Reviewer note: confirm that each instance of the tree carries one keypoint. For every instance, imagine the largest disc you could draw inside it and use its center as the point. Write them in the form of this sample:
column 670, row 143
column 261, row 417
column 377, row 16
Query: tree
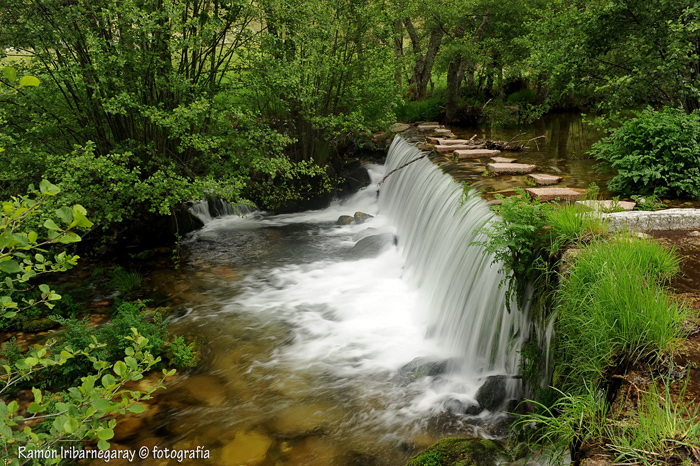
column 620, row 53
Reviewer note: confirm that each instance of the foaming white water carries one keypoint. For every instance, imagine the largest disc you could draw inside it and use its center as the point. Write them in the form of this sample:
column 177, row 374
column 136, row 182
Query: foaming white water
column 356, row 321
column 456, row 279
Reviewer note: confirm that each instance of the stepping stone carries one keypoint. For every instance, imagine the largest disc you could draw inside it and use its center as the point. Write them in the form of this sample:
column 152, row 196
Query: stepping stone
column 444, row 149
column 399, row 127
column 548, row 194
column 597, row 206
column 502, row 160
column 445, row 131
column 544, row 180
column 469, row 152
column 431, row 140
column 456, row 142
column 428, row 127
column 510, row 168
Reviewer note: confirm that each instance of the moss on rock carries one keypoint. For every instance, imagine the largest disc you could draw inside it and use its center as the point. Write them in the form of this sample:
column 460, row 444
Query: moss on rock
column 459, row 452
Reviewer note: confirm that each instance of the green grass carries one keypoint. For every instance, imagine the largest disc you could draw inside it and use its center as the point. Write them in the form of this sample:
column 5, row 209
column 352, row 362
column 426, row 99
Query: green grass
column 125, row 282
column 573, row 223
column 614, row 309
column 662, row 431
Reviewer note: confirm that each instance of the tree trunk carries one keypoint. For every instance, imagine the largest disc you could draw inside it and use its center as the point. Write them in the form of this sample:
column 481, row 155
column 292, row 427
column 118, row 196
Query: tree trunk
column 458, row 68
column 423, row 67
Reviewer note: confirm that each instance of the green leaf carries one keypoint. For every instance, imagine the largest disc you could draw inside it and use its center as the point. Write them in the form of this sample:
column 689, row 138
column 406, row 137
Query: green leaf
column 51, row 225
column 71, row 425
column 10, row 74
column 38, row 396
column 12, row 407
column 105, row 434
column 48, row 188
column 10, row 266
column 44, row 288
column 136, row 408
column 108, row 381
column 120, row 368
column 103, row 445
column 65, row 214
column 68, row 238
column 29, row 81
column 101, row 404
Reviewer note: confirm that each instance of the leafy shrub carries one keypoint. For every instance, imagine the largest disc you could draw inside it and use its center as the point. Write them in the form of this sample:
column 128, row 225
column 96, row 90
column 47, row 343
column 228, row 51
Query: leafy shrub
column 517, row 241
column 430, row 109
column 125, row 317
column 650, row 203
column 656, row 153
column 521, row 97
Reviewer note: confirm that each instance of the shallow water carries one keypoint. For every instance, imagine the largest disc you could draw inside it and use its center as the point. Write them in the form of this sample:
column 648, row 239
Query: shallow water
column 306, row 342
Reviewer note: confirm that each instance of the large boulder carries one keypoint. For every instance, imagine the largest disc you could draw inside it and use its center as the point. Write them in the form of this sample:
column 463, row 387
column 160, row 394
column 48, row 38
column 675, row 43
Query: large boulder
column 372, row 246
column 492, row 394
column 460, row 451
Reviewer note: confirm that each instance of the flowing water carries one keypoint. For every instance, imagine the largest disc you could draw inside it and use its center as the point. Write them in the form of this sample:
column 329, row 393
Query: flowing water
column 320, row 352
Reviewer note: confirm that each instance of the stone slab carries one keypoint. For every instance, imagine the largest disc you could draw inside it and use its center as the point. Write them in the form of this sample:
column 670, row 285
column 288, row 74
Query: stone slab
column 456, row 142
column 444, row 131
column 510, row 168
column 502, row 160
column 399, row 127
column 544, row 180
column 468, row 152
column 445, row 149
column 598, row 206
column 428, row 127
column 670, row 219
column 434, row 140
column 549, row 194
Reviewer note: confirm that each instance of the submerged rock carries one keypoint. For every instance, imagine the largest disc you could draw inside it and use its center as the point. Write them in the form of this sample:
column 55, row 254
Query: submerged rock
column 361, row 217
column 461, row 451
column 462, row 407
column 427, row 367
column 345, row 220
column 247, row 448
column 492, row 394
column 372, row 246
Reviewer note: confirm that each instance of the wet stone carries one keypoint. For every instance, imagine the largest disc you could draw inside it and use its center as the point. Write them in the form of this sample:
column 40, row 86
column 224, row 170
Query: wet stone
column 455, row 142
column 443, row 131
column 510, row 168
column 607, row 206
column 549, row 194
column 399, row 127
column 428, row 127
column 345, row 220
column 446, row 149
column 361, row 217
column 470, row 152
column 492, row 393
column 247, row 449
column 431, row 140
column 502, row 160
column 544, row 180
column 460, row 407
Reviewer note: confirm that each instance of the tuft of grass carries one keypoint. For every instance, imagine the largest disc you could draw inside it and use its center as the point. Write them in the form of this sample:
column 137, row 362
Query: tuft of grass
column 573, row 223
column 553, row 431
column 614, row 309
column 662, row 431
column 125, row 282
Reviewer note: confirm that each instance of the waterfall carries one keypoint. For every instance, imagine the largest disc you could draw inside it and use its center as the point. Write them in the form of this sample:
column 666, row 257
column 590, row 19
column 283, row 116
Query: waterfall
column 208, row 209
column 459, row 284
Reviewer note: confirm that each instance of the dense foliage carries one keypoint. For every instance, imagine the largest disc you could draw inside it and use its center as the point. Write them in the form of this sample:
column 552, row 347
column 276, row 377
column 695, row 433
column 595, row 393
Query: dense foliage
column 655, row 153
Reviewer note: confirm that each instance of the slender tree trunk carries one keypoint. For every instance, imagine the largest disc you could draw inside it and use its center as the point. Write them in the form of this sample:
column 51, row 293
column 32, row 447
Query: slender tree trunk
column 458, row 68
column 423, row 67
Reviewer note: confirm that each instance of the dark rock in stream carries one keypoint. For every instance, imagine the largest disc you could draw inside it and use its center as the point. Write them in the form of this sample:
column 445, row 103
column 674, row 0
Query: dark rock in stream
column 423, row 367
column 345, row 220
column 372, row 246
column 492, row 394
column 462, row 407
column 361, row 217
column 466, row 451
column 182, row 221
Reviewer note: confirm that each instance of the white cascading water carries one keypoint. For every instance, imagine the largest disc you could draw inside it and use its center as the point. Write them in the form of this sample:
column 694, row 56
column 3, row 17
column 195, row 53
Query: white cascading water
column 337, row 331
column 458, row 282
